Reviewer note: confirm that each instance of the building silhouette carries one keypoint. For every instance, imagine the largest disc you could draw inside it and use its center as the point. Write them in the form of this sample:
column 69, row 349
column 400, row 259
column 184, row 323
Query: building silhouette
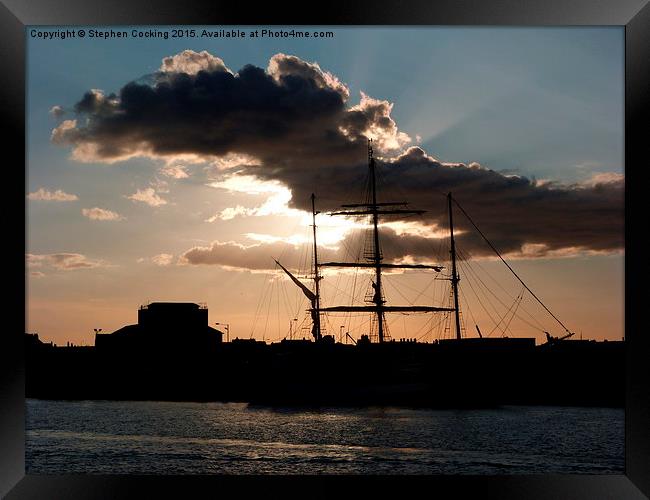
column 172, row 354
column 164, row 326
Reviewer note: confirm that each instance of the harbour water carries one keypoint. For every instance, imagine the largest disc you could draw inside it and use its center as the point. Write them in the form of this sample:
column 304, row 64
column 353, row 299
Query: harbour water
column 119, row 437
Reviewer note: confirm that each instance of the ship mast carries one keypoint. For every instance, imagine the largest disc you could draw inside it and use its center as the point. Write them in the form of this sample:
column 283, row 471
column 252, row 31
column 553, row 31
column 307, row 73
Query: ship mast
column 377, row 297
column 314, row 297
column 454, row 273
column 375, row 209
column 316, row 305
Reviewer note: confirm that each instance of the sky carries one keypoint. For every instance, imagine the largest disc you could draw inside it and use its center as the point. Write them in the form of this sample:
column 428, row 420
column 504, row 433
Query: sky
column 176, row 170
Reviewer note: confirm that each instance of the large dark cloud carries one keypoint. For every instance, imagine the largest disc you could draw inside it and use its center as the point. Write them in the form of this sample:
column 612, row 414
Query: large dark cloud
column 515, row 213
column 292, row 115
column 295, row 120
column 512, row 211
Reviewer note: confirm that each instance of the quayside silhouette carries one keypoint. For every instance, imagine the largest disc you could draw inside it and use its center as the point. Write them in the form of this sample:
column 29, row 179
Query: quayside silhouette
column 173, row 354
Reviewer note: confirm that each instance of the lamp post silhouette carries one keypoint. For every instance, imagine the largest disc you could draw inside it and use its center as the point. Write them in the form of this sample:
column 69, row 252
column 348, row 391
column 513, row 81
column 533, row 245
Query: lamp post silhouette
column 227, row 328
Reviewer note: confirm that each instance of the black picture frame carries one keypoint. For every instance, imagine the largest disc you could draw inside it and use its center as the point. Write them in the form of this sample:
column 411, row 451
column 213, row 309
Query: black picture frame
column 633, row 14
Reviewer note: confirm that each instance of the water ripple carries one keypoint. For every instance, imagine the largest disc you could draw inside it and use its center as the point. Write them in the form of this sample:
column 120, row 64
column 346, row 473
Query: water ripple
column 109, row 437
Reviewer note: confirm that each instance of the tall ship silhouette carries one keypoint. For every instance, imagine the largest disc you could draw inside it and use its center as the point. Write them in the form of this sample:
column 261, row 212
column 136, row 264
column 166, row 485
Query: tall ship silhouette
column 372, row 259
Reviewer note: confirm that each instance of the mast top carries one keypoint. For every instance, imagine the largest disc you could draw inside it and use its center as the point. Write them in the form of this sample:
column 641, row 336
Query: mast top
column 313, row 205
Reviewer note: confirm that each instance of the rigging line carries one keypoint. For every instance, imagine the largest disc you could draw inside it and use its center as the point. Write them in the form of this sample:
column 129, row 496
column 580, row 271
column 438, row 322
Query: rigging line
column 440, row 320
column 287, row 303
column 409, row 301
column 425, row 290
column 420, row 293
column 260, row 303
column 280, row 287
column 393, row 287
column 361, row 325
column 446, row 326
column 356, row 257
column 480, row 281
column 348, row 319
column 470, row 273
column 283, row 295
column 469, row 309
column 423, row 325
column 477, row 263
column 505, row 315
column 301, row 271
column 511, row 269
column 285, row 298
column 300, row 263
column 539, row 326
column 303, row 324
column 347, row 256
column 289, row 307
column 433, row 301
column 267, row 312
column 531, row 316
column 462, row 314
column 395, row 319
column 417, row 332
column 501, row 318
column 518, row 301
column 529, row 323
column 337, row 291
column 480, row 301
column 348, row 245
column 268, row 309
column 339, row 278
column 330, row 328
